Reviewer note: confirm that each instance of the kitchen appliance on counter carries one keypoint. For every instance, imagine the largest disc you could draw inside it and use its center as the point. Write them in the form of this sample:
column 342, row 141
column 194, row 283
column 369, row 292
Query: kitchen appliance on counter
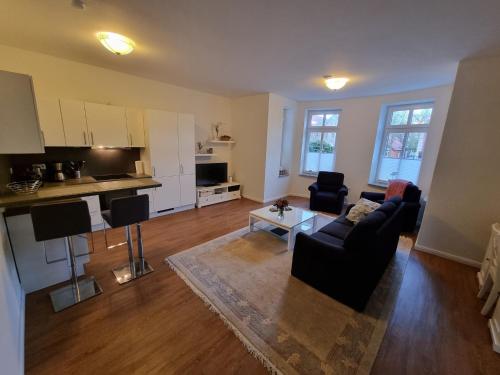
column 58, row 171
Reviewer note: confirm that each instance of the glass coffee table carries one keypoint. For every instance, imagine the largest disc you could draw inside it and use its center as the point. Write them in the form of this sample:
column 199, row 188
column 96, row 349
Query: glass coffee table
column 291, row 221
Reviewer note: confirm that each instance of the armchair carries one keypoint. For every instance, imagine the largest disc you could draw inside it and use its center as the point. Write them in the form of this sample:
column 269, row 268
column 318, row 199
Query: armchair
column 328, row 192
column 411, row 198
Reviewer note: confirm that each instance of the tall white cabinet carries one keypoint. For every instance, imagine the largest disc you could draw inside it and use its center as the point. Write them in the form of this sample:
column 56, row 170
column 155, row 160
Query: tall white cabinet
column 169, row 158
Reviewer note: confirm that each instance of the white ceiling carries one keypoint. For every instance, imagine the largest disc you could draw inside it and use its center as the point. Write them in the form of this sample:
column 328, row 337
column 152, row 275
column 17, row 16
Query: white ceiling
column 239, row 47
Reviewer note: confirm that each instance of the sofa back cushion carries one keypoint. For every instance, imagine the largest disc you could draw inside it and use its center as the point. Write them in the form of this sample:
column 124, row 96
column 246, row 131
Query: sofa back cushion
column 387, row 208
column 330, row 181
column 363, row 234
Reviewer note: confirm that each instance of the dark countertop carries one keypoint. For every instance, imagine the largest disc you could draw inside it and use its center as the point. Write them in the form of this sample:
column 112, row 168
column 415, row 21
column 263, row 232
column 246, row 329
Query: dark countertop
column 76, row 188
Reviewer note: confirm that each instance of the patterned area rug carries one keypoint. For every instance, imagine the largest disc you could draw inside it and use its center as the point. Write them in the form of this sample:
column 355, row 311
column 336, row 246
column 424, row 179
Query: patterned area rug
column 292, row 328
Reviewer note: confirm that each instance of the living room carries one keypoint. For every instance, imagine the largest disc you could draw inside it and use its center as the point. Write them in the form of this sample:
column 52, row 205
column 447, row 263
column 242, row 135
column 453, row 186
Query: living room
column 249, row 187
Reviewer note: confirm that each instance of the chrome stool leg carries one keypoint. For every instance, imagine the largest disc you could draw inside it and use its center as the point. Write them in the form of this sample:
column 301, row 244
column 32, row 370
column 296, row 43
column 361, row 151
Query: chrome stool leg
column 78, row 290
column 133, row 269
column 144, row 267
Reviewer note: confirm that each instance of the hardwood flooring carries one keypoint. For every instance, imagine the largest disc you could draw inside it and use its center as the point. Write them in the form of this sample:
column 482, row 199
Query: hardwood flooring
column 156, row 325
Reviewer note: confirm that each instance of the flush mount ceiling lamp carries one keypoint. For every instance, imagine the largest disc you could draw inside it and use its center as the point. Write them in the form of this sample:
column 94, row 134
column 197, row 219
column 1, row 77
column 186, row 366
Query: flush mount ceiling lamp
column 335, row 83
column 116, row 43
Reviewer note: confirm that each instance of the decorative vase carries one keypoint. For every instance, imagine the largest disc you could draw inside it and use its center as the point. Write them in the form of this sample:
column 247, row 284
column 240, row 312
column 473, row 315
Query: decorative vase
column 281, row 212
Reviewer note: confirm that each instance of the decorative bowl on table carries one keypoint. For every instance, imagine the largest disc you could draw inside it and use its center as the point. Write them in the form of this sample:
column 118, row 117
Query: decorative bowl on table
column 25, row 187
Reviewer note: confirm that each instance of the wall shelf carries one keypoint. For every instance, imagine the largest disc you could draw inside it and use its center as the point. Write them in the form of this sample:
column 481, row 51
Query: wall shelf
column 220, row 142
column 204, row 155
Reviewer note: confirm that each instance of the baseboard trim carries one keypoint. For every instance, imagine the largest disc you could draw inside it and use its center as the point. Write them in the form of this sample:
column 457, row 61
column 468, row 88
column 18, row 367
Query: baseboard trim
column 298, row 195
column 449, row 256
column 252, row 198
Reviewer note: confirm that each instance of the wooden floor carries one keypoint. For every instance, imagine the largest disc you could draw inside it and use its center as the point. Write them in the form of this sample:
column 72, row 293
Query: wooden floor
column 156, row 325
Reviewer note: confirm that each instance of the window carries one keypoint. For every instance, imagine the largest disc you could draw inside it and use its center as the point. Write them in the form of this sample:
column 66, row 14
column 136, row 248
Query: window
column 318, row 153
column 400, row 148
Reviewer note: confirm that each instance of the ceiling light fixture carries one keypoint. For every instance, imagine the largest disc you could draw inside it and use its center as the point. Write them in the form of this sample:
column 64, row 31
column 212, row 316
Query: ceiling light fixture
column 335, row 83
column 116, row 43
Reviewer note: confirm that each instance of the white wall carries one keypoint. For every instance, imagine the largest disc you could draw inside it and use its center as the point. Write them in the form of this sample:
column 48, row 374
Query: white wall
column 55, row 77
column 465, row 191
column 276, row 187
column 11, row 310
column 358, row 125
column 249, row 116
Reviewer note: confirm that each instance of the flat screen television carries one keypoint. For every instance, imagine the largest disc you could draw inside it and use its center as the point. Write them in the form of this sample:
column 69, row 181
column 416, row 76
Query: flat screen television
column 211, row 174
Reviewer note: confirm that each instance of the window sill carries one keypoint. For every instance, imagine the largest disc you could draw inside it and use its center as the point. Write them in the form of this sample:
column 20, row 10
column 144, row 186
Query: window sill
column 310, row 175
column 378, row 185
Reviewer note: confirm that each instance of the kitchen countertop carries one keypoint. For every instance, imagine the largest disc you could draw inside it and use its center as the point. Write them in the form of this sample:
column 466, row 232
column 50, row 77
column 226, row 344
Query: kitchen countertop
column 76, row 188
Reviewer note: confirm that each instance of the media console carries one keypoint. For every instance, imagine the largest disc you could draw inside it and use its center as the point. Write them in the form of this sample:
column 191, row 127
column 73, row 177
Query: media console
column 207, row 195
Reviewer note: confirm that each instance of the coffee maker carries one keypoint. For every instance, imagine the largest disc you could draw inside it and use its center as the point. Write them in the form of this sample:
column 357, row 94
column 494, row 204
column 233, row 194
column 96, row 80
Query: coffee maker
column 58, row 171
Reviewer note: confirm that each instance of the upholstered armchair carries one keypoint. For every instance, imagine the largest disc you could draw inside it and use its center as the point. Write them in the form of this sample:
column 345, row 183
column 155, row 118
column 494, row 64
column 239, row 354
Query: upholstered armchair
column 328, row 192
column 411, row 198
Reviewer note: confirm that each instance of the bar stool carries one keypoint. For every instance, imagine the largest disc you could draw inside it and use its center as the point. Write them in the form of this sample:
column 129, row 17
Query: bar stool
column 66, row 219
column 125, row 212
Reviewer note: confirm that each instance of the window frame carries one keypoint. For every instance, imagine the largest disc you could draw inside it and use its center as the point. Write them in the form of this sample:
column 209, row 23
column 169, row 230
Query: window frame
column 308, row 129
column 406, row 129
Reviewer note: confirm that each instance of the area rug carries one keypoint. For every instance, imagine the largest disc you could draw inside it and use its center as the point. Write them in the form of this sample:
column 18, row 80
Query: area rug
column 289, row 326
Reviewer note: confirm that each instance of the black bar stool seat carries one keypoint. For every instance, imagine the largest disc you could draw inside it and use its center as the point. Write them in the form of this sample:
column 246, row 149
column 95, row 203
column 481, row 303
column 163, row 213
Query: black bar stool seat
column 124, row 212
column 66, row 219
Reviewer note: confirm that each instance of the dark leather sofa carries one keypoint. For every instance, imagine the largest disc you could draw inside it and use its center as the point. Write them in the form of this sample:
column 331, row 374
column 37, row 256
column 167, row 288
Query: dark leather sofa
column 346, row 261
column 328, row 192
column 411, row 198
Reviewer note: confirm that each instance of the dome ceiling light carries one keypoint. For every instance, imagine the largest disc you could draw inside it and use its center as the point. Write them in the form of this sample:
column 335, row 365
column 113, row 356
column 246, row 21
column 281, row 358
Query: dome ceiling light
column 116, row 43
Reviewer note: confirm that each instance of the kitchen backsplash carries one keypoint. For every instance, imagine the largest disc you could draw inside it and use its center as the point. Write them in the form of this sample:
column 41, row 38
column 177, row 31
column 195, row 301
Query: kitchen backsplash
column 98, row 161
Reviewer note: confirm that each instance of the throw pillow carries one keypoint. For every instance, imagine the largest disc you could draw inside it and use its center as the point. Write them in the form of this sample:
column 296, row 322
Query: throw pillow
column 362, row 208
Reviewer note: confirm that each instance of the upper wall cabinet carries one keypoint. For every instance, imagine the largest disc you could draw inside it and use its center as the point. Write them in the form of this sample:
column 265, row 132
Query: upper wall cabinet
column 74, row 123
column 135, row 127
column 19, row 128
column 49, row 115
column 107, row 125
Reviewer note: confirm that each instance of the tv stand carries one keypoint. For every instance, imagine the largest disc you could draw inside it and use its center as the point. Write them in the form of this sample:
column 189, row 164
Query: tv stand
column 208, row 195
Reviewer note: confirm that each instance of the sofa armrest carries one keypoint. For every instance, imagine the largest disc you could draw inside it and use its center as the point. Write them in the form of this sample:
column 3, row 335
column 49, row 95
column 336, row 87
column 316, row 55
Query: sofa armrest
column 343, row 191
column 372, row 196
column 313, row 188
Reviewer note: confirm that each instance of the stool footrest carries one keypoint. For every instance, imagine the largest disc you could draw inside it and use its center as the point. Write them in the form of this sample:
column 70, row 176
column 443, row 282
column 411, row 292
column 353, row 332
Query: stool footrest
column 69, row 295
column 125, row 274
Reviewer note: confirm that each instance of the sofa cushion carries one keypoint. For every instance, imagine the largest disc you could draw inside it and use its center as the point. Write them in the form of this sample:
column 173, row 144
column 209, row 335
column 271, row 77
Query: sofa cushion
column 361, row 209
column 326, row 195
column 363, row 233
column 343, row 220
column 396, row 200
column 387, row 208
column 336, row 229
column 327, row 238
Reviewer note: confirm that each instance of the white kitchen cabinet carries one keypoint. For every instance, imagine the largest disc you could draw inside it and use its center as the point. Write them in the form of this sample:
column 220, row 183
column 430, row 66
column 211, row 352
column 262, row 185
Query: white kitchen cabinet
column 187, row 184
column 168, row 195
column 150, row 194
column 19, row 127
column 163, row 145
column 186, row 143
column 135, row 127
column 74, row 123
column 49, row 115
column 107, row 125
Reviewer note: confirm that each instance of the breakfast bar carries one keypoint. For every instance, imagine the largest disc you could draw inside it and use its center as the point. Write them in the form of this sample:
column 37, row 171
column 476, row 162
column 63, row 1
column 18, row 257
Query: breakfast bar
column 41, row 264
